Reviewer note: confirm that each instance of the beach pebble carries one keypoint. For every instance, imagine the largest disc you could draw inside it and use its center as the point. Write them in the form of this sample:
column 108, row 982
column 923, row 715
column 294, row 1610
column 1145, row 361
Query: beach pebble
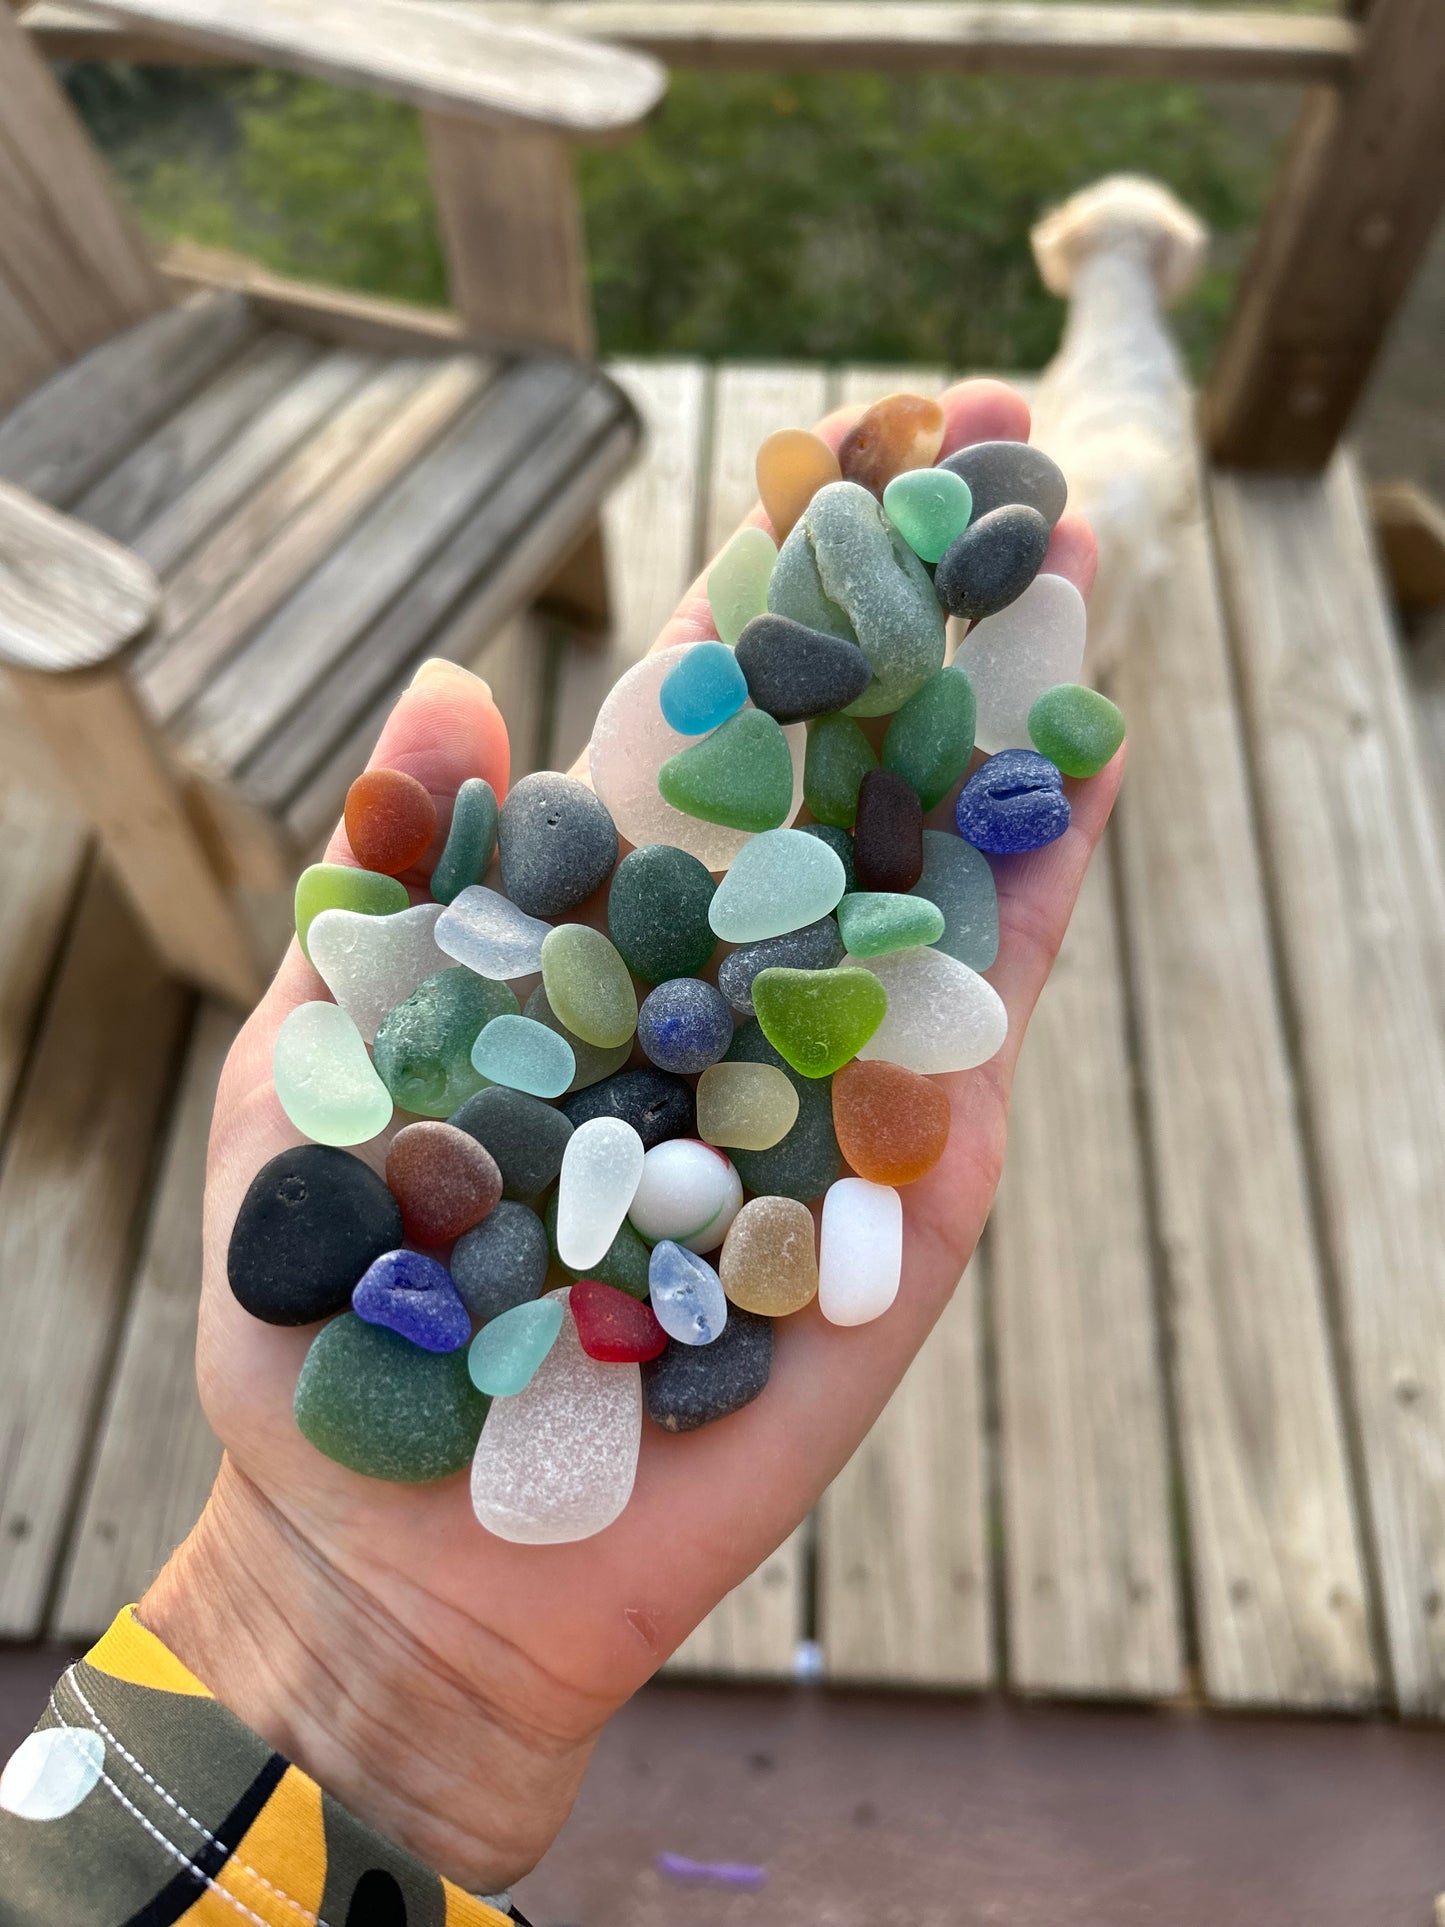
column 688, row 1192
column 818, row 1019
column 384, row 1407
column 860, row 1251
column 892, row 1124
column 413, row 1296
column 325, row 1082
column 816, row 946
column 793, row 672
column 557, row 843
column 657, row 913
column 749, row 1107
column 340, row 886
column 838, row 757
column 506, row 1353
column 899, row 432
column 502, row 1261
column 588, row 985
column 1012, row 803
column 888, row 835
column 525, row 1056
column 929, row 742
column 557, row 1462
column 769, row 1262
column 372, row 963
column 423, row 1048
column 1076, row 728
column 999, row 473
column 992, row 562
column 779, row 882
column 691, row 1385
column 741, row 776
column 703, row 689
column 471, row 840
column 873, row 922
column 591, row 1061
column 312, row 1220
column 684, row 1025
column 1014, row 657
column 481, row 929
column 525, row 1136
column 444, row 1181
column 941, row 1016
column 390, row 820
column 613, row 1326
column 737, row 583
column 686, row 1294
column 929, row 507
column 958, row 879
column 804, row 1162
column 601, row 1171
column 656, row 1104
column 792, row 465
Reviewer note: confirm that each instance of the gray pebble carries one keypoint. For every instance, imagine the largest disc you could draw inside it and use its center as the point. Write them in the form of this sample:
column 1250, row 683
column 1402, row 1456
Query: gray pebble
column 524, row 1135
column 1002, row 472
column 817, row 946
column 992, row 562
column 795, row 673
column 502, row 1261
column 557, row 841
column 691, row 1385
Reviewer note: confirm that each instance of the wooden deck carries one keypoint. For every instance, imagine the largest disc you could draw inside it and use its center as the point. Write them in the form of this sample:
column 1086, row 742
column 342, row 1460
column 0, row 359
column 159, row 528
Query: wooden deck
column 1182, row 1430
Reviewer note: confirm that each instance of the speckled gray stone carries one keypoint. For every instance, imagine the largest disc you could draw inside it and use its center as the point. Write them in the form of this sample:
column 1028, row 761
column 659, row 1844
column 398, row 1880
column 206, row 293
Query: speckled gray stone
column 796, row 673
column 557, row 842
column 656, row 1104
column 804, row 1163
column 657, row 913
column 817, row 946
column 594, row 1061
column 685, row 1025
column 524, row 1135
column 624, row 1263
column 312, row 1220
column 1001, row 472
column 840, row 841
column 502, row 1261
column 992, row 562
column 691, row 1385
column 382, row 1406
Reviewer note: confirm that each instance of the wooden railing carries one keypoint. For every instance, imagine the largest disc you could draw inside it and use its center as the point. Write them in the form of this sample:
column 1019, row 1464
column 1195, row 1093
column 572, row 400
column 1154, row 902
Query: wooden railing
column 1352, row 211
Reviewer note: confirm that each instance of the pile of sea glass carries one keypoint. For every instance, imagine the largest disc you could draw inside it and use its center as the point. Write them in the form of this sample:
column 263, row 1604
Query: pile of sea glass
column 625, row 1084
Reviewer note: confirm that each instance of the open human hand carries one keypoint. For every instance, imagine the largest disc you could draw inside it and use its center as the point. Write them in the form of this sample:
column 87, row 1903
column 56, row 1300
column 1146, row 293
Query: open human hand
column 448, row 1685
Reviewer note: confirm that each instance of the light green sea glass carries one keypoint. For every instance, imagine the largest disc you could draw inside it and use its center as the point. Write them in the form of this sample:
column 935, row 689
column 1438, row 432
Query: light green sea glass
column 818, row 1020
column 337, row 886
column 588, row 985
column 737, row 583
column 1076, row 728
column 324, row 1078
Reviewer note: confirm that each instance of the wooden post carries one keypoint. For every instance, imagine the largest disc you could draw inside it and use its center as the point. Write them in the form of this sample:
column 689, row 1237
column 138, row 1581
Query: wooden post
column 1352, row 213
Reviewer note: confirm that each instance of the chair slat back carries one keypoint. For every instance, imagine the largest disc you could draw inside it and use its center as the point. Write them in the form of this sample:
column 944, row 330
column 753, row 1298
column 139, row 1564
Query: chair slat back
column 74, row 268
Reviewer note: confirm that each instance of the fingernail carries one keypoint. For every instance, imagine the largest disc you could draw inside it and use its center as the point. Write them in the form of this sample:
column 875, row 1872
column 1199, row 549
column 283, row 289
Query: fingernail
column 440, row 668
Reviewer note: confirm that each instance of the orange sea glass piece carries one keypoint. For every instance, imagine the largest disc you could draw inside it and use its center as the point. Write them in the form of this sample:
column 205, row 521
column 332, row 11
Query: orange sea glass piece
column 390, row 820
column 891, row 1123
column 898, row 433
column 793, row 464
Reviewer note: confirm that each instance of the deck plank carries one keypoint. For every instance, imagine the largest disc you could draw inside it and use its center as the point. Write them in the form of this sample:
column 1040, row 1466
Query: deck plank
column 1355, row 863
column 70, row 1190
column 1275, row 1550
column 42, row 848
column 155, row 1456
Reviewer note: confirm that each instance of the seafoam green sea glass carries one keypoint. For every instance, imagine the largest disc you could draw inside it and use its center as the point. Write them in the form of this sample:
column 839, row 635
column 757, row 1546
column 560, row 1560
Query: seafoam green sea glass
column 959, row 880
column 930, row 740
column 324, row 1078
column 588, row 985
column 423, row 1048
column 737, row 583
column 778, row 882
column 337, row 886
column 874, row 922
column 838, row 757
column 525, row 1056
column 741, row 776
column 928, row 507
column 506, row 1352
column 818, row 1019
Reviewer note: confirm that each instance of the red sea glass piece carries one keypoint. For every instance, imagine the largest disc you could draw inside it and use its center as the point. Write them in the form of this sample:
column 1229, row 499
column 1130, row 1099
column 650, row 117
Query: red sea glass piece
column 614, row 1326
column 390, row 820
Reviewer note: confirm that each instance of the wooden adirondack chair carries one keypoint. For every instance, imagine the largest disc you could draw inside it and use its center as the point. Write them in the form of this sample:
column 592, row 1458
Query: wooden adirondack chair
column 232, row 521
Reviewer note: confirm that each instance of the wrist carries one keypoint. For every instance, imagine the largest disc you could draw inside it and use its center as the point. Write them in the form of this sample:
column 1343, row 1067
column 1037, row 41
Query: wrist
column 423, row 1748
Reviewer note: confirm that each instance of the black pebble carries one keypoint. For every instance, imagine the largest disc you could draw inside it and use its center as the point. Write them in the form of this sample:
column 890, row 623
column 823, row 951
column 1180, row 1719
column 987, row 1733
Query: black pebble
column 524, row 1135
column 502, row 1261
column 310, row 1224
column 992, row 562
column 557, row 843
column 998, row 473
column 888, row 834
column 691, row 1385
column 794, row 672
column 655, row 1103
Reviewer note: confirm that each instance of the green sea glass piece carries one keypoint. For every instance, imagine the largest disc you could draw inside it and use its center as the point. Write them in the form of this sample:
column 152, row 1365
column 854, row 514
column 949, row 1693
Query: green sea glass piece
column 624, row 1263
column 873, row 922
column 588, row 985
column 525, row 1056
column 592, row 1064
column 325, row 1079
column 928, row 507
column 737, row 583
column 337, row 886
column 657, row 912
column 382, row 1406
column 958, row 879
column 1076, row 728
column 504, row 1355
column 838, row 757
column 470, row 842
column 930, row 740
column 818, row 1019
column 741, row 776
column 423, row 1048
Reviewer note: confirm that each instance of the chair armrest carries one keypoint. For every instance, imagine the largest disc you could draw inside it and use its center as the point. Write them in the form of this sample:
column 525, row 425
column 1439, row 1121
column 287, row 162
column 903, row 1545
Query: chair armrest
column 448, row 58
column 69, row 598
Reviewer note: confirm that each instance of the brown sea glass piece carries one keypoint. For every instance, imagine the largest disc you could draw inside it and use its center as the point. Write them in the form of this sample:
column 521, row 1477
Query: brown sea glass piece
column 887, row 833
column 891, row 1124
column 444, row 1181
column 793, row 464
column 900, row 432
column 390, row 820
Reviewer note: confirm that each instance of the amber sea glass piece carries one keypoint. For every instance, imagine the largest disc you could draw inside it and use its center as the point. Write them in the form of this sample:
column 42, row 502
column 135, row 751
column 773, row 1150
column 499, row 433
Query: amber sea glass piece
column 390, row 820
column 891, row 1123
column 793, row 464
column 898, row 433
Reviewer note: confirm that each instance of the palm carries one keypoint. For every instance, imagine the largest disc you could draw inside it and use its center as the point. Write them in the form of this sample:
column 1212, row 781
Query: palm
column 586, row 1623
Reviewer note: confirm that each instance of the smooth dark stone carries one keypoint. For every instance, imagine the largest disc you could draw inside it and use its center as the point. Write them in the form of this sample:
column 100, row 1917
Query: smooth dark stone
column 655, row 1103
column 1000, row 473
column 1012, row 803
column 840, row 842
column 684, row 1025
column 804, row 1163
column 691, row 1385
column 311, row 1223
column 888, row 836
column 657, row 913
column 625, row 1263
column 795, row 672
column 557, row 841
column 817, row 946
column 524, row 1135
column 992, row 562
column 502, row 1261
